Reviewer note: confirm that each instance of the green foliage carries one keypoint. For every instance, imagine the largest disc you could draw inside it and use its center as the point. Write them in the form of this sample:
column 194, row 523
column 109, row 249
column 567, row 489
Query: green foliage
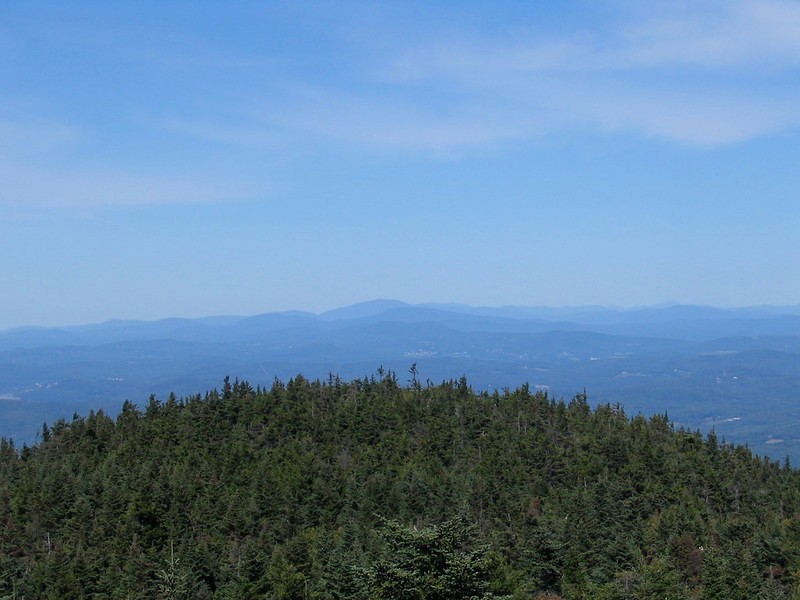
column 172, row 580
column 275, row 493
column 440, row 562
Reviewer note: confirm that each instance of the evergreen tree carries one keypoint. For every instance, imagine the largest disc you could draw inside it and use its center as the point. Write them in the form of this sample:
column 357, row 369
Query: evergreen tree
column 440, row 562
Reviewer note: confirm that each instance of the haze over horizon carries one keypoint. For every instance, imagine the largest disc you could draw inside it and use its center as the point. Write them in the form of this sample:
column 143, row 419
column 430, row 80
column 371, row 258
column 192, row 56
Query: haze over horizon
column 194, row 159
column 558, row 315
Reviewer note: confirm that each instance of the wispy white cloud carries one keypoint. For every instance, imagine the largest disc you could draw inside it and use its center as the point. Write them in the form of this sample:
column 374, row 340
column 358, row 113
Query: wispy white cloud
column 35, row 187
column 706, row 73
column 391, row 121
column 325, row 120
column 43, row 165
column 699, row 116
column 732, row 34
column 248, row 133
column 723, row 73
column 35, row 135
column 695, row 73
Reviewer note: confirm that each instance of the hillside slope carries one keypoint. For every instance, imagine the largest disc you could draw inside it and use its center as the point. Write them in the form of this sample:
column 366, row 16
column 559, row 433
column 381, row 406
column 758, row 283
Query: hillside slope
column 284, row 492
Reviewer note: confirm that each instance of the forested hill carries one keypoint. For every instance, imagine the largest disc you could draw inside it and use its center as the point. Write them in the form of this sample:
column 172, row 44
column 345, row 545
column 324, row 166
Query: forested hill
column 735, row 370
column 377, row 489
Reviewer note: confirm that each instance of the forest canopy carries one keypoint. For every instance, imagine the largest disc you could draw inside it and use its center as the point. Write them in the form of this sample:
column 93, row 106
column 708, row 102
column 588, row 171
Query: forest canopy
column 373, row 488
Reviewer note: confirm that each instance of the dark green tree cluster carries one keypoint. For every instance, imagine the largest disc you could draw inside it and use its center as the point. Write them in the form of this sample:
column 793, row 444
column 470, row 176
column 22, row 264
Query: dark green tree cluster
column 372, row 489
column 432, row 563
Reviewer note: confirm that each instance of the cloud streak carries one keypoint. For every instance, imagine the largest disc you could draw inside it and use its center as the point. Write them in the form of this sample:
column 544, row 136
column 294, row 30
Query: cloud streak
column 41, row 168
column 710, row 74
column 732, row 35
column 698, row 74
column 712, row 77
column 35, row 136
column 35, row 187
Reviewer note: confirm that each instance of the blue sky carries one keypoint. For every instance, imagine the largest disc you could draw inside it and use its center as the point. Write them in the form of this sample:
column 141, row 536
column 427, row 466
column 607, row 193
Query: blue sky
column 197, row 158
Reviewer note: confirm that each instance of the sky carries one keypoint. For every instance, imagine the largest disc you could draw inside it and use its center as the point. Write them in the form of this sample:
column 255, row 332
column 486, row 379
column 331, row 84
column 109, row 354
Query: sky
column 163, row 159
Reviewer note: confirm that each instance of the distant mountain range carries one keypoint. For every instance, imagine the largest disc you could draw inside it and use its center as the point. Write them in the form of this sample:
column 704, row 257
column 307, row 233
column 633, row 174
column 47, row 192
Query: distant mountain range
column 737, row 370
